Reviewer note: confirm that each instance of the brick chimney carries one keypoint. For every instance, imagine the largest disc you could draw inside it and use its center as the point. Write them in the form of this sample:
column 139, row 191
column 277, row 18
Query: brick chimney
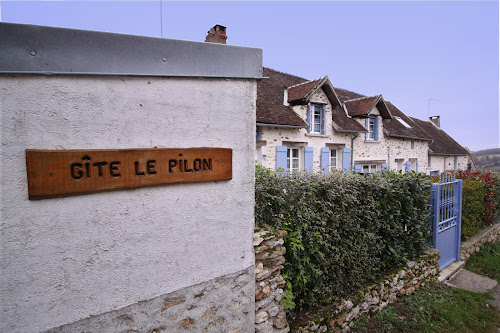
column 217, row 35
column 435, row 121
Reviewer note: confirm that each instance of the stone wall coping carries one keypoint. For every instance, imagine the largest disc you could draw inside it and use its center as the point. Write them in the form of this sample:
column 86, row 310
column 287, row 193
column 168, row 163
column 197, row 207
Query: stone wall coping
column 479, row 236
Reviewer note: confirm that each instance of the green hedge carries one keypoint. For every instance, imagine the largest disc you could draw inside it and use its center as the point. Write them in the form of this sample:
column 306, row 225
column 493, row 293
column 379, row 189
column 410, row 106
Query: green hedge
column 344, row 229
column 473, row 207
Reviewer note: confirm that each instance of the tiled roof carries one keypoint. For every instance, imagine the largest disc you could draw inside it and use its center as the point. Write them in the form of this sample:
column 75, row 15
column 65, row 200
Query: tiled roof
column 360, row 106
column 342, row 123
column 442, row 143
column 270, row 95
column 393, row 127
column 345, row 95
column 300, row 91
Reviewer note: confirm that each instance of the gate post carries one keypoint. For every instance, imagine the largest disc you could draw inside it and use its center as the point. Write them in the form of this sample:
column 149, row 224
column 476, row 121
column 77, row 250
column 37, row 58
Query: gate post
column 459, row 187
column 435, row 201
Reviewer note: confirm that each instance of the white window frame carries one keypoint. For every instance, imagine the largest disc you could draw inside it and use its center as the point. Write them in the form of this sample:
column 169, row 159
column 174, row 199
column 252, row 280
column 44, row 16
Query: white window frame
column 290, row 159
column 312, row 125
column 370, row 136
column 333, row 159
column 368, row 168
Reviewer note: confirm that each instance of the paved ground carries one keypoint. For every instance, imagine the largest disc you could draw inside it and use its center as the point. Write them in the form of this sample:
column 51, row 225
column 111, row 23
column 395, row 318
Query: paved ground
column 473, row 282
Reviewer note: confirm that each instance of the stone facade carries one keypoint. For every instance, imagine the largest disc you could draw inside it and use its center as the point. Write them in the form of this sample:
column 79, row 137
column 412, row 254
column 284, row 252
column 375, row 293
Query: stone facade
column 489, row 234
column 196, row 309
column 270, row 316
column 394, row 152
column 405, row 281
column 299, row 138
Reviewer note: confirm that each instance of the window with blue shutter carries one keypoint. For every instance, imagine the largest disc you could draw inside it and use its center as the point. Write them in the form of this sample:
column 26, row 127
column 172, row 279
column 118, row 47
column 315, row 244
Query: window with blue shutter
column 371, row 125
column 281, row 157
column 316, row 118
column 384, row 166
column 408, row 166
column 357, row 167
column 325, row 160
column 308, row 158
column 416, row 166
column 346, row 158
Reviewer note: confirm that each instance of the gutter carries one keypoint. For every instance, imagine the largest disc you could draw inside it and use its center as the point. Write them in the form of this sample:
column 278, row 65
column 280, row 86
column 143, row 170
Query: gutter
column 280, row 125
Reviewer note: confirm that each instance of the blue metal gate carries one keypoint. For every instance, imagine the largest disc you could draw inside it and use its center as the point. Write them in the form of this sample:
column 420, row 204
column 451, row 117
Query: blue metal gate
column 446, row 218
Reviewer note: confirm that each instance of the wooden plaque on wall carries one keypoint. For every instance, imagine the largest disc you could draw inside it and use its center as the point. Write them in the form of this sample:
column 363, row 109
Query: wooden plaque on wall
column 53, row 173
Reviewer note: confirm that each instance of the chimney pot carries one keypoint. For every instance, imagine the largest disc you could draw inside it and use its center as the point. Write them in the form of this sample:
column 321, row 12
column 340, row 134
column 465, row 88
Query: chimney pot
column 435, row 120
column 217, row 35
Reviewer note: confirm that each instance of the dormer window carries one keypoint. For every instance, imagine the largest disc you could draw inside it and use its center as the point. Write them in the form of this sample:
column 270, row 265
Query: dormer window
column 371, row 129
column 371, row 125
column 316, row 118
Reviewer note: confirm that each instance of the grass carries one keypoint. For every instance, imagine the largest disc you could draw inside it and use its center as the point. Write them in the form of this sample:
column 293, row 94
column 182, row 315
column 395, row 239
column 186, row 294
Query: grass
column 486, row 262
column 435, row 308
column 439, row 308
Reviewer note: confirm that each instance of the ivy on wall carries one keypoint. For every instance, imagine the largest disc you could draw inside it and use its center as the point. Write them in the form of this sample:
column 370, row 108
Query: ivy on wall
column 344, row 229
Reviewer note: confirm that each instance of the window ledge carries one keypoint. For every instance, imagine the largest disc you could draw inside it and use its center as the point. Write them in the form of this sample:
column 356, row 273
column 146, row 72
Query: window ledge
column 317, row 135
column 371, row 141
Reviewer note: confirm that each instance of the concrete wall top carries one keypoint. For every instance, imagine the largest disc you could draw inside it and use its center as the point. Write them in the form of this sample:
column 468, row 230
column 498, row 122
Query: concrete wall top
column 34, row 49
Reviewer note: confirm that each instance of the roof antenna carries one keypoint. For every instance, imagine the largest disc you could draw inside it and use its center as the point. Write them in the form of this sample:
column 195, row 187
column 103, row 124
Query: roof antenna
column 161, row 18
column 429, row 105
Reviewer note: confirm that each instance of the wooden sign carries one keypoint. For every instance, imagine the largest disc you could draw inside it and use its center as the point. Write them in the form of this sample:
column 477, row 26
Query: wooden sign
column 53, row 173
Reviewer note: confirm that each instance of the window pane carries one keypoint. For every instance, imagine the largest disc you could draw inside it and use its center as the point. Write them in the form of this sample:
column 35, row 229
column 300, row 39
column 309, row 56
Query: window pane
column 295, row 152
column 333, row 159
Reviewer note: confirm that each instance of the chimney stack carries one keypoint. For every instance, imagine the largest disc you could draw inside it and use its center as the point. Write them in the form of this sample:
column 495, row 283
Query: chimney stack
column 217, row 35
column 435, row 121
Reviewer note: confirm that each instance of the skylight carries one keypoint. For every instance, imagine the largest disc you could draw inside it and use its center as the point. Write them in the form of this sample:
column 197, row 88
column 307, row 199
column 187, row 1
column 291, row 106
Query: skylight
column 405, row 124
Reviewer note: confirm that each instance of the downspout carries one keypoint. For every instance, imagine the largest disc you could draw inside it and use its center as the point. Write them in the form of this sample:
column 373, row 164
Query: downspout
column 388, row 158
column 352, row 151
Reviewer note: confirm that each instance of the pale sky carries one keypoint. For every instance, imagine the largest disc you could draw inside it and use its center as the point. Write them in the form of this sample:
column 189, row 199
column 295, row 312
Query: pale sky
column 436, row 58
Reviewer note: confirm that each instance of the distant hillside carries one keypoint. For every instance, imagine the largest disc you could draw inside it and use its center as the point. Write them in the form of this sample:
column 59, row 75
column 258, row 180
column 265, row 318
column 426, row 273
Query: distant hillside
column 488, row 159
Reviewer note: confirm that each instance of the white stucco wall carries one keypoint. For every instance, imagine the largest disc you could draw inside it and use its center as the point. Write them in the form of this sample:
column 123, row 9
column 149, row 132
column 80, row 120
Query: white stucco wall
column 442, row 163
column 65, row 259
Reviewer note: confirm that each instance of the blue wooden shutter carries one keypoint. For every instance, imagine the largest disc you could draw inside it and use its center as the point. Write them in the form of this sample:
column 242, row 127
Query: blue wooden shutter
column 323, row 119
column 325, row 160
column 308, row 158
column 408, row 166
column 346, row 158
column 281, row 157
column 416, row 167
column 384, row 166
column 375, row 130
column 309, row 118
column 257, row 134
column 357, row 167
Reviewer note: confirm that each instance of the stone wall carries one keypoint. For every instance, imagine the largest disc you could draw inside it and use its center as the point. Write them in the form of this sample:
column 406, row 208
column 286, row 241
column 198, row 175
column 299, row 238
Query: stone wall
column 193, row 309
column 412, row 276
column 270, row 316
column 489, row 234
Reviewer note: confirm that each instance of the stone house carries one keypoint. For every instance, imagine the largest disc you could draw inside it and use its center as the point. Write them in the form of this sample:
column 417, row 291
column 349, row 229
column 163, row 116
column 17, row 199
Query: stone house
column 314, row 126
column 444, row 152
column 311, row 125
